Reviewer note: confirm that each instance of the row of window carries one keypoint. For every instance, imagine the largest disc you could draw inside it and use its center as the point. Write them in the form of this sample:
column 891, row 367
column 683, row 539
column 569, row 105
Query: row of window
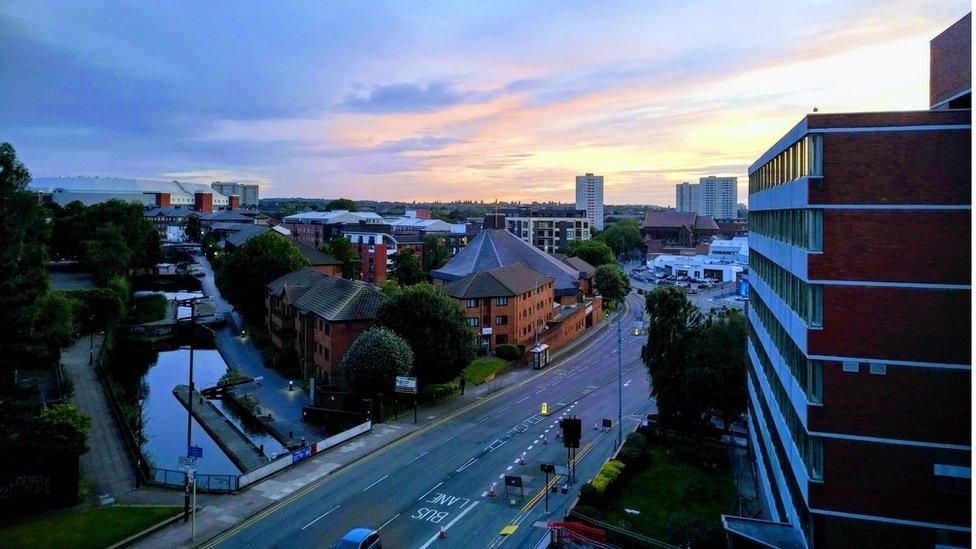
column 792, row 356
column 804, row 298
column 805, row 157
column 809, row 447
column 802, row 228
column 322, row 350
column 499, row 301
column 500, row 320
column 322, row 325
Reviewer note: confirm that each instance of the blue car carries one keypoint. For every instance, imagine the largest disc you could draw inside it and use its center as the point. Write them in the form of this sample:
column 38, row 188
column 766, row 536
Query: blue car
column 359, row 538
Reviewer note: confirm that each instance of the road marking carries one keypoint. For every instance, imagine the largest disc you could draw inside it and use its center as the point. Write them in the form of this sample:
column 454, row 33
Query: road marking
column 466, row 465
column 387, row 522
column 448, row 439
column 485, row 493
column 530, row 447
column 626, row 383
column 322, row 516
column 540, row 391
column 523, row 400
column 480, row 421
column 416, row 458
column 509, row 468
column 375, row 483
column 429, row 491
column 449, row 524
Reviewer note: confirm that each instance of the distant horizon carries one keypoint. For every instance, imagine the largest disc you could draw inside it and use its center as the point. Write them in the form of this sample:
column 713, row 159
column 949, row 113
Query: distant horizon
column 488, row 101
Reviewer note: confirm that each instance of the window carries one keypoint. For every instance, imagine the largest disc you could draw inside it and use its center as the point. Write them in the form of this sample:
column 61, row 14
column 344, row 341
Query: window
column 852, row 367
column 501, row 320
column 815, row 381
column 472, row 303
column 473, row 321
column 501, row 301
column 799, row 227
column 816, row 458
column 878, row 369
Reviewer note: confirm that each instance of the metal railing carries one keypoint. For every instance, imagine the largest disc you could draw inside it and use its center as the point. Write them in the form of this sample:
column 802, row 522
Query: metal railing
column 205, row 482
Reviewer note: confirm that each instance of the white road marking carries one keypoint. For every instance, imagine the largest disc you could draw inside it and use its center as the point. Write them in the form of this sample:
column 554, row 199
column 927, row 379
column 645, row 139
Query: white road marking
column 523, row 400
column 449, row 524
column 322, row 516
column 416, row 458
column 501, row 475
column 387, row 522
column 375, row 483
column 509, row 468
column 530, row 447
column 448, row 439
column 482, row 420
column 540, row 391
column 466, row 465
column 626, row 383
column 429, row 491
column 485, row 493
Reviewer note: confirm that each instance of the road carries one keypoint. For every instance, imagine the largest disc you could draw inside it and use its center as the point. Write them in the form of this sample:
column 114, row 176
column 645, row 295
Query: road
column 440, row 477
column 705, row 300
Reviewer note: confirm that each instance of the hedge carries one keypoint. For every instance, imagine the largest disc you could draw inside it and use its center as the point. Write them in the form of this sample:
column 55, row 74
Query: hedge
column 509, row 351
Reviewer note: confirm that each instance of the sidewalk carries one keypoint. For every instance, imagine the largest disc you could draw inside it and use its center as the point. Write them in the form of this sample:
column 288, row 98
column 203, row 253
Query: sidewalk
column 107, row 467
column 223, row 511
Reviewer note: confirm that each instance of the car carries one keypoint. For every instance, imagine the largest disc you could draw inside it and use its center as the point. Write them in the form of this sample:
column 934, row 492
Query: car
column 640, row 291
column 359, row 538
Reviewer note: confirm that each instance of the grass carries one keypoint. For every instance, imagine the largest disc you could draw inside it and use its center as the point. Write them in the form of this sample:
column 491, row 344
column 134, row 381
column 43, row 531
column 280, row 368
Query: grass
column 95, row 528
column 480, row 368
column 148, row 308
column 670, row 491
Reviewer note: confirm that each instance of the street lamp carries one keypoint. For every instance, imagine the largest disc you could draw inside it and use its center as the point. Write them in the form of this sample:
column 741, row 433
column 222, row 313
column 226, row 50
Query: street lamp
column 91, row 339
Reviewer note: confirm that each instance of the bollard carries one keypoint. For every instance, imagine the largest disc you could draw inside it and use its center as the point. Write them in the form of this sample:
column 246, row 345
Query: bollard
column 491, row 490
column 545, row 439
column 442, row 533
column 521, row 459
column 595, row 426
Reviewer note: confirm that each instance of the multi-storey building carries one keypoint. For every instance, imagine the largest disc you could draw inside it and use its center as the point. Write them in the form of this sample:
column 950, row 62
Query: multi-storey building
column 589, row 197
column 149, row 193
column 316, row 228
column 859, row 322
column 687, row 197
column 718, row 197
column 248, row 193
column 547, row 229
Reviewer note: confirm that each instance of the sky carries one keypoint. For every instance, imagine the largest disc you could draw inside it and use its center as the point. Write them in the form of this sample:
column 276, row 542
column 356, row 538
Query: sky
column 445, row 100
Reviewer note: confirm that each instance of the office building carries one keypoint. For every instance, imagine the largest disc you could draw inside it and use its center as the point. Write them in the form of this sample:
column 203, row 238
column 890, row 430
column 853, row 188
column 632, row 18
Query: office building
column 248, row 193
column 589, row 197
column 687, row 197
column 548, row 229
column 859, row 323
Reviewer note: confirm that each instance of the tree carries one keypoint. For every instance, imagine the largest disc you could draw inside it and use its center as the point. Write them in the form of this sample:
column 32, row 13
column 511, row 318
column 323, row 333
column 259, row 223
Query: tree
column 622, row 237
column 342, row 249
column 340, row 204
column 192, row 228
column 435, row 327
column 406, row 269
column 436, row 254
column 375, row 359
column 23, row 267
column 56, row 317
column 721, row 353
column 79, row 224
column 612, row 282
column 245, row 272
column 65, row 427
column 594, row 252
column 107, row 255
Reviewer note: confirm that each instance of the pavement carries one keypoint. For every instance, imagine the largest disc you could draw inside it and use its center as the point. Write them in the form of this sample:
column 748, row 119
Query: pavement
column 409, row 481
column 241, row 354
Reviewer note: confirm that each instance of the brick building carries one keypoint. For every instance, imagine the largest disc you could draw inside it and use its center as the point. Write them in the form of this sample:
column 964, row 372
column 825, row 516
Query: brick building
column 670, row 229
column 318, row 316
column 859, row 340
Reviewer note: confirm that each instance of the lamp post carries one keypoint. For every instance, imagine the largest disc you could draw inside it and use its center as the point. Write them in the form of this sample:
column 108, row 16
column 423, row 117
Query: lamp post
column 189, row 412
column 91, row 339
column 620, row 387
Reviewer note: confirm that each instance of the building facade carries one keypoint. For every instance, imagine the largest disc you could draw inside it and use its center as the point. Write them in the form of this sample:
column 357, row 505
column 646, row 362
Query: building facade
column 859, row 323
column 718, row 197
column 248, row 194
column 549, row 230
column 589, row 197
column 687, row 197
column 678, row 229
column 149, row 193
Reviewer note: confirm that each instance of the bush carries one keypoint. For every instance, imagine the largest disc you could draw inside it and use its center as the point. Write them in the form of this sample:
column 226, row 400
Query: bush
column 260, row 337
column 268, row 355
column 521, row 349
column 588, row 496
column 697, row 492
column 587, row 510
column 439, row 390
column 600, row 484
column 509, row 351
column 632, row 451
column 480, row 351
column 688, row 530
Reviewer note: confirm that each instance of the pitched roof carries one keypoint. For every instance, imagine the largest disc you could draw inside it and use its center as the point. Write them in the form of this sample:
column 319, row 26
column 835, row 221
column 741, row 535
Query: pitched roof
column 240, row 237
column 580, row 265
column 228, row 215
column 510, row 280
column 705, row 223
column 168, row 212
column 315, row 257
column 666, row 219
column 332, row 298
column 492, row 248
column 230, row 226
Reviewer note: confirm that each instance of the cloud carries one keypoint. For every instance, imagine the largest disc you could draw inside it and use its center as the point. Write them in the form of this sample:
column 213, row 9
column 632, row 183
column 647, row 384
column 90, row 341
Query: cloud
column 407, row 97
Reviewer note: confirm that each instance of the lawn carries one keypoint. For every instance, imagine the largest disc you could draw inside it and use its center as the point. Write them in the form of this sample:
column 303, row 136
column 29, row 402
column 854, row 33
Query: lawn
column 482, row 367
column 673, row 495
column 149, row 308
column 96, row 528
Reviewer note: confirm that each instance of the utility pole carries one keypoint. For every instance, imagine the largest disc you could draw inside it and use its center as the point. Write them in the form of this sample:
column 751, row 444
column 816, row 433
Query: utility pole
column 189, row 412
column 620, row 386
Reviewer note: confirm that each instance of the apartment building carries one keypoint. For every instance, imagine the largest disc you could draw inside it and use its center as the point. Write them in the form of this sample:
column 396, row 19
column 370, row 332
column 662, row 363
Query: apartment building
column 548, row 229
column 687, row 197
column 589, row 197
column 711, row 196
column 860, row 371
column 248, row 193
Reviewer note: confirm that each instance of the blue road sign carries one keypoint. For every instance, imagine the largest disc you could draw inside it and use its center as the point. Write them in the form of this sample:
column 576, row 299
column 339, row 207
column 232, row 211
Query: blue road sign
column 194, row 451
column 303, row 453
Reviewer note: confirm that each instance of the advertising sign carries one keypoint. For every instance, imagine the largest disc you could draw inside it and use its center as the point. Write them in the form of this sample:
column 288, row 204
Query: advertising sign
column 405, row 384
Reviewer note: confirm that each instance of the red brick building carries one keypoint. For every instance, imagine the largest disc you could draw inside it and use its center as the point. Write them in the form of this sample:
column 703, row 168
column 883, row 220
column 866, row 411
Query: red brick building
column 859, row 340
column 678, row 229
column 318, row 317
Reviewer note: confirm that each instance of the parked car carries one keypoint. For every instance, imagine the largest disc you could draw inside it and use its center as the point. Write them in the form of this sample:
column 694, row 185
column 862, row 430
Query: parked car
column 359, row 538
column 640, row 291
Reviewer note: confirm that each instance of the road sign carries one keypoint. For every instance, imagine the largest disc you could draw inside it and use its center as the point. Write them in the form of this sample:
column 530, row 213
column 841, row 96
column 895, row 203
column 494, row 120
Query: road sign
column 607, row 423
column 561, row 470
column 547, row 468
column 300, row 454
column 186, row 461
column 572, row 430
column 194, row 451
column 406, row 384
column 513, row 481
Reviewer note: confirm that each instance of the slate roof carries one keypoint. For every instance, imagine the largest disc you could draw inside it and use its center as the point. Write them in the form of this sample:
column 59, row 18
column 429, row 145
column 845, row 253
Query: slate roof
column 492, row 248
column 227, row 215
column 240, row 237
column 333, row 298
column 666, row 219
column 168, row 212
column 316, row 257
column 230, row 226
column 582, row 266
column 507, row 281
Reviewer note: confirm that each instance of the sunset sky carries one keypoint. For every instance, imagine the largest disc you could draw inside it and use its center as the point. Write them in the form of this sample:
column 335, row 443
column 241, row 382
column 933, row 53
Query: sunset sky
column 444, row 100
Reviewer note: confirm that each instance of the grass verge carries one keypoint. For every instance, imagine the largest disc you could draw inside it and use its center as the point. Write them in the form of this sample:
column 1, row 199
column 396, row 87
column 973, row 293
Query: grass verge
column 482, row 367
column 94, row 529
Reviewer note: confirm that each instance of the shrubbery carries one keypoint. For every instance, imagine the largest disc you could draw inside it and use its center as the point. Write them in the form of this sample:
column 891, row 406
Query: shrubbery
column 632, row 451
column 509, row 351
column 439, row 390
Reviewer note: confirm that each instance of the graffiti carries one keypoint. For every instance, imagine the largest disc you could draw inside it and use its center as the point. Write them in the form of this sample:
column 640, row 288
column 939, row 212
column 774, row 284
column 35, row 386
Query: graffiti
column 26, row 485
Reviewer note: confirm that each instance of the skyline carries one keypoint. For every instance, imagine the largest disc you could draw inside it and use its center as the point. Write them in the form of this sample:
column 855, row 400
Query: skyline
column 386, row 102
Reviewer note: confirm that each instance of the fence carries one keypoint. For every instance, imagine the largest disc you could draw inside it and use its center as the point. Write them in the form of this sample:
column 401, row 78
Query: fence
column 205, row 482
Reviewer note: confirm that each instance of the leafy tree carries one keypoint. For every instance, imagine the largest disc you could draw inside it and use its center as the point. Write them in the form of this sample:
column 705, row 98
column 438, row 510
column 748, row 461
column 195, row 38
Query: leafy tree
column 721, row 354
column 612, row 282
column 103, row 305
column 594, row 252
column 622, row 237
column 389, row 287
column 23, row 267
column 375, row 359
column 245, row 272
column 192, row 228
column 65, row 427
column 79, row 224
column 435, row 327
column 341, row 204
column 343, row 250
column 107, row 255
column 436, row 254
column 406, row 269
column 56, row 317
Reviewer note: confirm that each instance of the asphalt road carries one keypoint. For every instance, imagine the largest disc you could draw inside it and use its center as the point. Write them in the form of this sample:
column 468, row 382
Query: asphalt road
column 439, row 477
